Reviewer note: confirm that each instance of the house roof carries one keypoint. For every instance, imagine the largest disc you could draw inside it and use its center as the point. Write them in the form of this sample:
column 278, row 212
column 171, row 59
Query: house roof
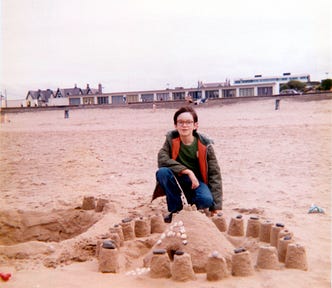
column 65, row 92
column 69, row 91
column 89, row 91
column 42, row 95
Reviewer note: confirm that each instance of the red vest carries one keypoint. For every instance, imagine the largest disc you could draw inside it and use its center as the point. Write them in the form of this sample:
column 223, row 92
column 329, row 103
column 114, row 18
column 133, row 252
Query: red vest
column 201, row 155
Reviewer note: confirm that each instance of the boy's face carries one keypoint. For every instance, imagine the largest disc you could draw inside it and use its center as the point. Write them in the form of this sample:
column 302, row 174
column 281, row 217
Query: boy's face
column 185, row 124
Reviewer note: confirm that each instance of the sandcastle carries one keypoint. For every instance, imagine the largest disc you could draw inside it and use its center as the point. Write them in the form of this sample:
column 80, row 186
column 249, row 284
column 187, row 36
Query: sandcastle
column 193, row 241
column 180, row 250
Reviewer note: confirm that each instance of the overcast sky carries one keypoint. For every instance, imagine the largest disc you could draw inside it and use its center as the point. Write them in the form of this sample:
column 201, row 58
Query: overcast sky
column 132, row 45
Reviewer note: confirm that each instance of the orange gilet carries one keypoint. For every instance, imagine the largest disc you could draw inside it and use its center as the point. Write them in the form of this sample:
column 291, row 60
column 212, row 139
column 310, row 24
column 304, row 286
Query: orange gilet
column 201, row 155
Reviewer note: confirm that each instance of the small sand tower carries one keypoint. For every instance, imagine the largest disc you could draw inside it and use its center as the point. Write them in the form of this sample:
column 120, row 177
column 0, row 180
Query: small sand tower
column 157, row 224
column 117, row 228
column 182, row 268
column 296, row 257
column 253, row 226
column 220, row 221
column 128, row 229
column 282, row 247
column 160, row 266
column 216, row 267
column 241, row 263
column 89, row 203
column 267, row 258
column 236, row 226
column 142, row 227
column 265, row 231
column 108, row 257
column 275, row 230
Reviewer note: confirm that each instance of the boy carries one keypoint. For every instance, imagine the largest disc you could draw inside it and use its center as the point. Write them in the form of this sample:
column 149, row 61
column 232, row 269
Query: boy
column 187, row 159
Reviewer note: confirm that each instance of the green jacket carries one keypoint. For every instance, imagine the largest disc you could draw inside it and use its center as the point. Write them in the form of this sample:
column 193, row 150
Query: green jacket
column 208, row 164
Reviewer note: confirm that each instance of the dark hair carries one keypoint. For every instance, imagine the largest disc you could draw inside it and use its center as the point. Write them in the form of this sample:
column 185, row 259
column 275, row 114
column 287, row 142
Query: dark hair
column 184, row 110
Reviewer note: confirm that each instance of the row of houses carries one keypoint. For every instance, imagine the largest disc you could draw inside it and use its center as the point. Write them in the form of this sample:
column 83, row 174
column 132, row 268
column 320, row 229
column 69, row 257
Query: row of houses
column 47, row 97
column 255, row 86
column 203, row 91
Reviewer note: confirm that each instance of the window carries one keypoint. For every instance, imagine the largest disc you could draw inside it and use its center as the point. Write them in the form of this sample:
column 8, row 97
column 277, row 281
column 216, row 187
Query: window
column 163, row 96
column 102, row 100
column 212, row 94
column 263, row 91
column 132, row 98
column 88, row 100
column 228, row 93
column 118, row 99
column 178, row 95
column 246, row 92
column 195, row 95
column 74, row 101
column 147, row 97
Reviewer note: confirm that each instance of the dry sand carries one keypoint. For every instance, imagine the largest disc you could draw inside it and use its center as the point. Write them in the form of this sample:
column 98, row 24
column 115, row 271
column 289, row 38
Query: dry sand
column 275, row 164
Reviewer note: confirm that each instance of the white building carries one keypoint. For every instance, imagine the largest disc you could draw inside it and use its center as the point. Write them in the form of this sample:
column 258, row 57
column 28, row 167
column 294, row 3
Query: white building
column 204, row 91
column 259, row 79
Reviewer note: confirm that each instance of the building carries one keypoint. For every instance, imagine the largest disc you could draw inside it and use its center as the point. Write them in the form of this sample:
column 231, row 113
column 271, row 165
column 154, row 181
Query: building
column 78, row 96
column 38, row 97
column 204, row 92
column 259, row 79
column 60, row 97
column 242, row 87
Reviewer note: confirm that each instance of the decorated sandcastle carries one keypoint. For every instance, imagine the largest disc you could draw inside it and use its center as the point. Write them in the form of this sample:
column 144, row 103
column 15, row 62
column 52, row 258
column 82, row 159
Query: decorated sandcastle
column 143, row 245
column 194, row 243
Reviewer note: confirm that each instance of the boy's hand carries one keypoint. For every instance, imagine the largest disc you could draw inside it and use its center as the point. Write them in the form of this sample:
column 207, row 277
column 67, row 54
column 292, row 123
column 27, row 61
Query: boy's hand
column 193, row 178
column 194, row 181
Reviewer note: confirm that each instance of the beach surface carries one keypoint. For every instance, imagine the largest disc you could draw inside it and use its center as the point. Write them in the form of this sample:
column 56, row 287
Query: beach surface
column 275, row 164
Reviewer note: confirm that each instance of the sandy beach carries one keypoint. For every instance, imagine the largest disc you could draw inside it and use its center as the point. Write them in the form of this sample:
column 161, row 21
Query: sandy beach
column 275, row 164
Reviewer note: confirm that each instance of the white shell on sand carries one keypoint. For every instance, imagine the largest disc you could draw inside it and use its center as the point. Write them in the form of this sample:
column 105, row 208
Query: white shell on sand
column 215, row 254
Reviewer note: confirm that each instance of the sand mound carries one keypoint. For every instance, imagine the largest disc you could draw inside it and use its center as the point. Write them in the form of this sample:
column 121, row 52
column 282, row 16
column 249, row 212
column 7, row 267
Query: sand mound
column 23, row 226
column 200, row 238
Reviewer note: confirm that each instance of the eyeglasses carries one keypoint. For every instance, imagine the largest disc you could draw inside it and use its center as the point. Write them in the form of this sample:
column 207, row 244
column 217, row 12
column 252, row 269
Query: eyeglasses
column 184, row 122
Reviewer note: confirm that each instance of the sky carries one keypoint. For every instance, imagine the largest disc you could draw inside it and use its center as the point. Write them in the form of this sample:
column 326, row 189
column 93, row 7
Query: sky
column 132, row 45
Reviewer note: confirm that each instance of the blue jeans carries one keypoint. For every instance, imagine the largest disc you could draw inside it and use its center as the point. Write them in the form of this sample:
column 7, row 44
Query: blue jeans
column 201, row 196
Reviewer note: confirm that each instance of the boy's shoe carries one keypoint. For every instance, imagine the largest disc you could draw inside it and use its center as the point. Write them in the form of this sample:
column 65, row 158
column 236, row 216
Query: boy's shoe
column 168, row 218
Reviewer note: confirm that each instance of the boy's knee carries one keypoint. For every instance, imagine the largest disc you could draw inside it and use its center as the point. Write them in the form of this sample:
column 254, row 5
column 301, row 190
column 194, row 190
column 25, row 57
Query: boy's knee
column 163, row 172
column 208, row 201
column 204, row 201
